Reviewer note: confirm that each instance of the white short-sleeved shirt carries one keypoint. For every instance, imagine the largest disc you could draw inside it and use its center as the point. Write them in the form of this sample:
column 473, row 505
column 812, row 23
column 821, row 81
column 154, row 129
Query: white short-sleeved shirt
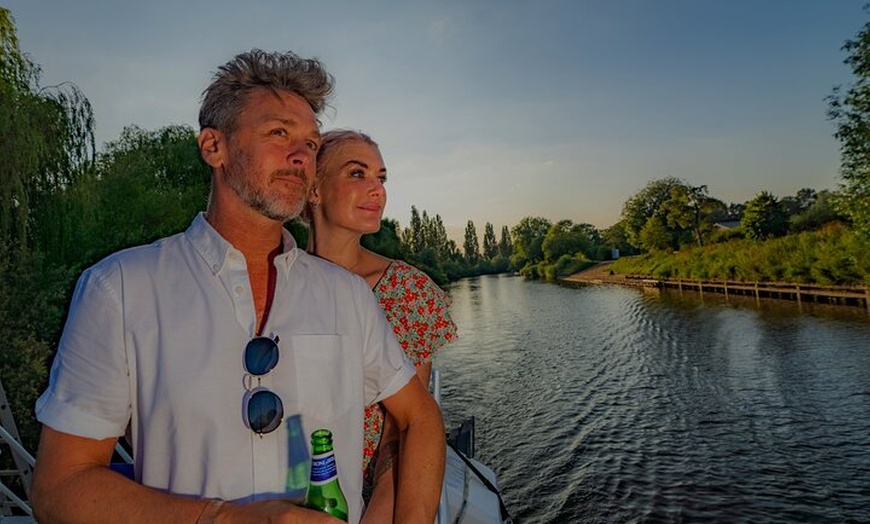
column 155, row 337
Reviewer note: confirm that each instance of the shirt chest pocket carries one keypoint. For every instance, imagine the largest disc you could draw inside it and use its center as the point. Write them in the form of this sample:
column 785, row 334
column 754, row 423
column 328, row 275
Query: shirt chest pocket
column 327, row 384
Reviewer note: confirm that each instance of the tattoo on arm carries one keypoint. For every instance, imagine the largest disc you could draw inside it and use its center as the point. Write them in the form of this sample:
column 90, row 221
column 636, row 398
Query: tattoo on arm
column 388, row 454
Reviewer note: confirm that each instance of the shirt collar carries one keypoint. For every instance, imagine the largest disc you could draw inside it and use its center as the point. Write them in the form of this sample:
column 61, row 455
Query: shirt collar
column 215, row 249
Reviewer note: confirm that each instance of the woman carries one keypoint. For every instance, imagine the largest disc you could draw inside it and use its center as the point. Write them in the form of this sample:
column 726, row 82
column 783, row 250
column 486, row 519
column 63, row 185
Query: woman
column 346, row 202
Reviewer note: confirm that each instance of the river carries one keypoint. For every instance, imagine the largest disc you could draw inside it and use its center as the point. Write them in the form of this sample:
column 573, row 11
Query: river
column 605, row 404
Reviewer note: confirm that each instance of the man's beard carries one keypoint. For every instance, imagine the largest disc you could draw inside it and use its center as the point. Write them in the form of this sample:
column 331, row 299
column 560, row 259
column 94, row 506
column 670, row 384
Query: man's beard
column 241, row 176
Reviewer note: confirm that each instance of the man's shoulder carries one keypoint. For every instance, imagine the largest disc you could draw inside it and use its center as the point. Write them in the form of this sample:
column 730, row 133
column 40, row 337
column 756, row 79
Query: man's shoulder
column 139, row 257
column 326, row 268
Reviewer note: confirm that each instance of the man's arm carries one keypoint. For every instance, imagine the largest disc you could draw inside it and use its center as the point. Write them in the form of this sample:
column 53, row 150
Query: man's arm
column 73, row 484
column 421, row 460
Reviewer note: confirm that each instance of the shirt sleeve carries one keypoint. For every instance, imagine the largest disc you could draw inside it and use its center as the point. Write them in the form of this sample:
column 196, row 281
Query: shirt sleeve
column 88, row 394
column 436, row 328
column 418, row 310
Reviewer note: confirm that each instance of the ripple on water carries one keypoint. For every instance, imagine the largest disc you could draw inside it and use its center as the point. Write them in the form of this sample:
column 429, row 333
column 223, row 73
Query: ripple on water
column 605, row 404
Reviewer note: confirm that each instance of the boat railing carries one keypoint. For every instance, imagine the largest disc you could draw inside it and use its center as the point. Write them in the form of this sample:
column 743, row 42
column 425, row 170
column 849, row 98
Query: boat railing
column 24, row 462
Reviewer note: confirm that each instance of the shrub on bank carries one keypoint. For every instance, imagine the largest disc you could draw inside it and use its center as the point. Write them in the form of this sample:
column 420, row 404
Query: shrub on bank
column 833, row 255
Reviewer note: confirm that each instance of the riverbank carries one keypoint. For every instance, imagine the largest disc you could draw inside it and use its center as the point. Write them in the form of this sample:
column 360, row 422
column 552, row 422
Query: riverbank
column 856, row 296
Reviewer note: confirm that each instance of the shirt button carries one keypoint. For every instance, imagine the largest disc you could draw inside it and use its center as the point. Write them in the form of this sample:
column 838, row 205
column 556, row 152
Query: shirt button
column 239, row 290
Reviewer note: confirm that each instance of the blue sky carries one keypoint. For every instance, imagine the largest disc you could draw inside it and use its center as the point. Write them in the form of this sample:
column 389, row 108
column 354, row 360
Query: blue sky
column 495, row 110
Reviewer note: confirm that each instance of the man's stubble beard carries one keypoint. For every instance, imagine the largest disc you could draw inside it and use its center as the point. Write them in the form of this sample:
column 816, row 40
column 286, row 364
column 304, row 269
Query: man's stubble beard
column 241, row 175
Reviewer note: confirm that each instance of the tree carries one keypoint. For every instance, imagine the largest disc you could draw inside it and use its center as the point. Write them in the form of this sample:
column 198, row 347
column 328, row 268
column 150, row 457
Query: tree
column 528, row 236
column 490, row 246
column 46, row 136
column 470, row 247
column 615, row 237
column 647, row 203
column 413, row 236
column 849, row 109
column 764, row 217
column 654, row 236
column 565, row 238
column 46, row 143
column 803, row 199
column 386, row 240
column 822, row 211
column 147, row 185
column 440, row 242
column 689, row 208
column 505, row 248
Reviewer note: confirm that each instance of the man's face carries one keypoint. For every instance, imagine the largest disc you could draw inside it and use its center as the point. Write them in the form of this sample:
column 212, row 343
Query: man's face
column 271, row 153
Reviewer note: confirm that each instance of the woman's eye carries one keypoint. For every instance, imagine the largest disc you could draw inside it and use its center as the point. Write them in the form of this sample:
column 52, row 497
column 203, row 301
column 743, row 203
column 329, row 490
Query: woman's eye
column 357, row 173
column 383, row 179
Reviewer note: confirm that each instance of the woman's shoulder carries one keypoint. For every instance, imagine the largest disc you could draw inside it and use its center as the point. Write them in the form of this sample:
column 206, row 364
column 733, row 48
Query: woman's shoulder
column 406, row 271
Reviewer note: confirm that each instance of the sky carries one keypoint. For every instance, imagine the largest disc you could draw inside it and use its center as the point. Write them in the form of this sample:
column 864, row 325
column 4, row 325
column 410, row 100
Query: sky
column 492, row 111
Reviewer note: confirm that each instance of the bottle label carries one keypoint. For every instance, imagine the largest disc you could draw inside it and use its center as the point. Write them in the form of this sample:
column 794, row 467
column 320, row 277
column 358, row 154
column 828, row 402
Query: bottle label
column 323, row 468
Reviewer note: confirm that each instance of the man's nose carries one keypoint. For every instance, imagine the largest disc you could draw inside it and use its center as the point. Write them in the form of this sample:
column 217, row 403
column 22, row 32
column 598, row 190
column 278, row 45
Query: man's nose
column 299, row 154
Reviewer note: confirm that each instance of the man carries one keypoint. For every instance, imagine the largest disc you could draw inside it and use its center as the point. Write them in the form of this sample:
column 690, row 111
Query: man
column 204, row 342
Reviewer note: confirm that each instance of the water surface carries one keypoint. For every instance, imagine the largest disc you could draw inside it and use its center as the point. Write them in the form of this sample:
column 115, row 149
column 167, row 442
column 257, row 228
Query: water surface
column 610, row 404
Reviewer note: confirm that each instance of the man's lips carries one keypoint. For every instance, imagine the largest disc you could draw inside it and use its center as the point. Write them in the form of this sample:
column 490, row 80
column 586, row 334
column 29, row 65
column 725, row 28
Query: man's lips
column 292, row 178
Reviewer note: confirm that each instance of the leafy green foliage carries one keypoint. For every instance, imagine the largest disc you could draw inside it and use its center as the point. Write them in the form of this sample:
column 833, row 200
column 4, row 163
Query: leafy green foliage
column 646, row 204
column 386, row 241
column 528, row 238
column 471, row 248
column 849, row 109
column 833, row 255
column 505, row 246
column 764, row 217
column 565, row 238
column 490, row 246
column 654, row 236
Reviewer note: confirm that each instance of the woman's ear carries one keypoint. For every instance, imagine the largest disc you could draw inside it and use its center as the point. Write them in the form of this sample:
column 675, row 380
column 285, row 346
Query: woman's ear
column 212, row 147
column 314, row 195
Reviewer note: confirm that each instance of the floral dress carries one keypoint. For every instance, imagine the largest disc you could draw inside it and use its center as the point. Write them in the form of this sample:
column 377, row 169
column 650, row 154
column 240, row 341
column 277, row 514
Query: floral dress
column 417, row 309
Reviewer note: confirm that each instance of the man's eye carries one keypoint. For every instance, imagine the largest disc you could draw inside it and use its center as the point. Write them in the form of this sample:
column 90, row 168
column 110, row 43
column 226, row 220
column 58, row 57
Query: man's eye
column 279, row 132
column 383, row 179
column 313, row 146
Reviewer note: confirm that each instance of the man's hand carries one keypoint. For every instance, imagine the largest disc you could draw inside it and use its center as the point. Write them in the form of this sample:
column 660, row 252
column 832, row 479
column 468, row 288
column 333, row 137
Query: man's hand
column 273, row 512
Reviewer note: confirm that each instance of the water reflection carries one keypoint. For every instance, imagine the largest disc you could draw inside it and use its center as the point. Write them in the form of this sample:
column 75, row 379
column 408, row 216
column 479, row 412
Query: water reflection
column 608, row 404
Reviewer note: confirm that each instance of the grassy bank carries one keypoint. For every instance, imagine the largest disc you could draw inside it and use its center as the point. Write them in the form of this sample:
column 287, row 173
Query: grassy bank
column 834, row 255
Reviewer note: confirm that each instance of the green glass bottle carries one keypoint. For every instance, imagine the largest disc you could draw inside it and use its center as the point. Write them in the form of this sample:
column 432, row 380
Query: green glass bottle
column 324, row 492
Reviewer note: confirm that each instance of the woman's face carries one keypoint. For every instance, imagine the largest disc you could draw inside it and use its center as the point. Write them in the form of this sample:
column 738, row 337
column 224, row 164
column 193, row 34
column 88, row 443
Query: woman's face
column 351, row 193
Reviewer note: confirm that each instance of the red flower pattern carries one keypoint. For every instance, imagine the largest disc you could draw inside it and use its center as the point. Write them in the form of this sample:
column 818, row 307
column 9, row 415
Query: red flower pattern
column 418, row 311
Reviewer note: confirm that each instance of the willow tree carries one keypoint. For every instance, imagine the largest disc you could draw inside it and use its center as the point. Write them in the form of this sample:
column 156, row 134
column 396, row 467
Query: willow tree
column 46, row 139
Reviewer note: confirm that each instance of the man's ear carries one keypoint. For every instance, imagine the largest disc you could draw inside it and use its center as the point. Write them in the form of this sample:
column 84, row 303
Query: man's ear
column 212, row 147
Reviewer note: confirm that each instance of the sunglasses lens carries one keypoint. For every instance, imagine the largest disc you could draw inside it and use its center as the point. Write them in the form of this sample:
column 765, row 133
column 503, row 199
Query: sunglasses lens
column 261, row 355
column 265, row 411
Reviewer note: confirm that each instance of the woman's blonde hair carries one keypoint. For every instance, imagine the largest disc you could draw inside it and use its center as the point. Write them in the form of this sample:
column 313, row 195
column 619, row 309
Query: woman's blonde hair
column 330, row 142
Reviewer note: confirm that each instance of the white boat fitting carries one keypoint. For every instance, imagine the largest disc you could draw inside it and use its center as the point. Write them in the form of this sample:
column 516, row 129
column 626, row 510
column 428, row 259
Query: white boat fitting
column 470, row 494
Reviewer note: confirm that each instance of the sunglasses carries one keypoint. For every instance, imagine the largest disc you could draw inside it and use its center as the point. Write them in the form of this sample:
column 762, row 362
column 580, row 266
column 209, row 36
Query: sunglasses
column 263, row 409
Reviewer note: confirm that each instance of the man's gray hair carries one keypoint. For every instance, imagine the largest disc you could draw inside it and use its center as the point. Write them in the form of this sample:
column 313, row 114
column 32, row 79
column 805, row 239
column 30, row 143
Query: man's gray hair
column 224, row 98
